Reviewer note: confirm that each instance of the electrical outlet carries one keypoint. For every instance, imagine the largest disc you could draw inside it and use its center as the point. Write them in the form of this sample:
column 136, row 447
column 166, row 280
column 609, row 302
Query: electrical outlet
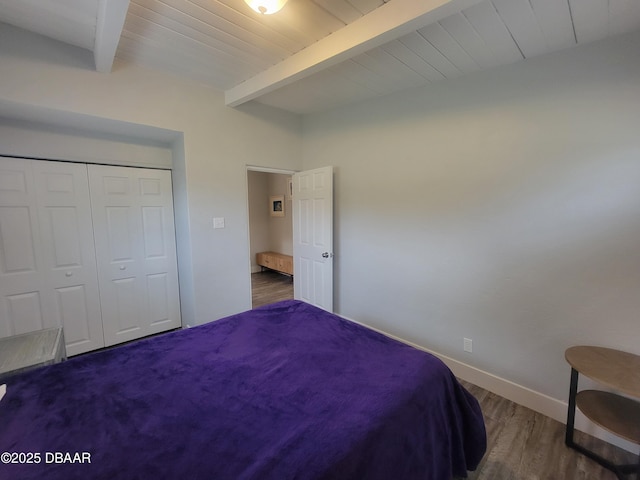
column 468, row 345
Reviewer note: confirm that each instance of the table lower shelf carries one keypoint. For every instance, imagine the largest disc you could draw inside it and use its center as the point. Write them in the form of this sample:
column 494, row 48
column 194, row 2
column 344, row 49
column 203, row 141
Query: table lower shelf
column 617, row 414
column 30, row 350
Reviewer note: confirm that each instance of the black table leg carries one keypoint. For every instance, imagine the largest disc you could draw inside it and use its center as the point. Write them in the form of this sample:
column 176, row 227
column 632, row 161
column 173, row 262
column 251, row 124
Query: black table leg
column 619, row 470
column 571, row 411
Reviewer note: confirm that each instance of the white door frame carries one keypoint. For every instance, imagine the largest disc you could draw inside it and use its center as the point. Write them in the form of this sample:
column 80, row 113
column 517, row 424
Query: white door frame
column 283, row 172
column 256, row 168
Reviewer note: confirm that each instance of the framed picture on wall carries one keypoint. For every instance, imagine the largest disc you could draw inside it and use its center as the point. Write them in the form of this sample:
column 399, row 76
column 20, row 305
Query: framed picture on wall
column 276, row 205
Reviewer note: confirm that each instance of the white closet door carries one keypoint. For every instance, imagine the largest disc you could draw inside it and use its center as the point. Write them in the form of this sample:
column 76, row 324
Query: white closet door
column 23, row 306
column 135, row 249
column 47, row 263
column 68, row 253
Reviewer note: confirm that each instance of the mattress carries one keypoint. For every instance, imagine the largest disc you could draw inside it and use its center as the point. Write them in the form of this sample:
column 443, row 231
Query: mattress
column 285, row 391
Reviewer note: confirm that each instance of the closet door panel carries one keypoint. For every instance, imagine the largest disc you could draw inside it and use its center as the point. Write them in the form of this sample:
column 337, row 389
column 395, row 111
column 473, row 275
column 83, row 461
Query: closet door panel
column 160, row 287
column 160, row 262
column 124, row 309
column 68, row 252
column 118, row 249
column 81, row 324
column 24, row 313
column 135, row 246
column 47, row 263
column 22, row 279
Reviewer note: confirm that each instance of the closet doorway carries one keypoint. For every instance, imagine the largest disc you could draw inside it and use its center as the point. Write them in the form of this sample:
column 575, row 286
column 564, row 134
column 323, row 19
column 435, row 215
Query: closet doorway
column 270, row 230
column 87, row 247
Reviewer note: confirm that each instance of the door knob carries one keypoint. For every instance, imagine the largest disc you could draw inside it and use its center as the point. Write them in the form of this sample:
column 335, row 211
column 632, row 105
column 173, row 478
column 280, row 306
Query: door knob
column 327, row 255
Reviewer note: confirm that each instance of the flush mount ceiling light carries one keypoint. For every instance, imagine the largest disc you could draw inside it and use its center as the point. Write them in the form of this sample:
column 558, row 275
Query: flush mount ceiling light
column 266, row 7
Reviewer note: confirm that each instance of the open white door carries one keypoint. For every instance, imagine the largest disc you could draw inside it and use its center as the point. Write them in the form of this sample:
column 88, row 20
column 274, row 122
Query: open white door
column 313, row 237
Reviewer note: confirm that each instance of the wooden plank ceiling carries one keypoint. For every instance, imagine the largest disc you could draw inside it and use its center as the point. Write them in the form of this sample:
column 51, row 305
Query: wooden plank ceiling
column 317, row 54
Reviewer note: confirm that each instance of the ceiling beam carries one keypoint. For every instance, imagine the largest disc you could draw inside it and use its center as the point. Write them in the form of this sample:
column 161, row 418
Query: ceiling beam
column 384, row 24
column 110, row 20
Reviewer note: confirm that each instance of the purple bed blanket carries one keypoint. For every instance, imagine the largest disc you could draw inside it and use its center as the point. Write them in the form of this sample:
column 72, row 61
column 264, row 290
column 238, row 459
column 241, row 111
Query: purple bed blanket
column 286, row 391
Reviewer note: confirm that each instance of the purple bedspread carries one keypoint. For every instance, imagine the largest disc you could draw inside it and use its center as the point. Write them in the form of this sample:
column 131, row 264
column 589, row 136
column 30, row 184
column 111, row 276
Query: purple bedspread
column 286, row 391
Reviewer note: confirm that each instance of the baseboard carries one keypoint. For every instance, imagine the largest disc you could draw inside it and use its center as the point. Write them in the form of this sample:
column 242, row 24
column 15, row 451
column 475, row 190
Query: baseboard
column 539, row 402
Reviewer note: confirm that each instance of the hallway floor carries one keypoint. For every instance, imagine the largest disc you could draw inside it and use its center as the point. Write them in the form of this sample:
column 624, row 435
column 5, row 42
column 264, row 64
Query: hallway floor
column 269, row 287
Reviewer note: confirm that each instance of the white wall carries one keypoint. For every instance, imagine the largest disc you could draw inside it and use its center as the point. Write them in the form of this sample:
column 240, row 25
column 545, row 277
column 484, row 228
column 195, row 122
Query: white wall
column 503, row 207
column 258, row 215
column 218, row 142
column 281, row 228
column 41, row 140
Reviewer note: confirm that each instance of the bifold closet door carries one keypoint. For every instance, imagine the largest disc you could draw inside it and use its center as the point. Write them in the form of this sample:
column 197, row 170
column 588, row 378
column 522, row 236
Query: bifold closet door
column 135, row 250
column 47, row 263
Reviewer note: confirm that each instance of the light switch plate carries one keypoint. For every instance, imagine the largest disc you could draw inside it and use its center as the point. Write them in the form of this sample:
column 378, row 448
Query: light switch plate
column 218, row 222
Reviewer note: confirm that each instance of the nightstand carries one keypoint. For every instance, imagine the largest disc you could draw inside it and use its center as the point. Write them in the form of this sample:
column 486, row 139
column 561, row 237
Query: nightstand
column 620, row 415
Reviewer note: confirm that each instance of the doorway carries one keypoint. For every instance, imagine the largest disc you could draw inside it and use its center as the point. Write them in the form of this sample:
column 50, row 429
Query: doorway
column 270, row 230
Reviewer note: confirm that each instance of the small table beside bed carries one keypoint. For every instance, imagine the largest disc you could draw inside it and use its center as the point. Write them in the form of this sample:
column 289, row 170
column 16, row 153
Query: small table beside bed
column 284, row 391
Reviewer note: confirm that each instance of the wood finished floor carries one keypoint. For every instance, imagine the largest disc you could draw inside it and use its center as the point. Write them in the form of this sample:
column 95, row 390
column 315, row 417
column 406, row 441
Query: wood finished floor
column 269, row 287
column 521, row 444
column 526, row 445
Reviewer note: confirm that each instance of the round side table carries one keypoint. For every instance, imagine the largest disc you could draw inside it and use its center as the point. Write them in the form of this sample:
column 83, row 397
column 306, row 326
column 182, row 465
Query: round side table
column 620, row 415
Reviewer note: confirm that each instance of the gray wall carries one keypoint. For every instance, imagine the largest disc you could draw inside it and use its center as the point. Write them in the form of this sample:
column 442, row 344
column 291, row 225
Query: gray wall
column 281, row 228
column 502, row 207
column 53, row 142
column 258, row 215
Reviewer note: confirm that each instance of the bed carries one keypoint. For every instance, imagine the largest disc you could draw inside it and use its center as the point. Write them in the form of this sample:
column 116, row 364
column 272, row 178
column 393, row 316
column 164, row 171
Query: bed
column 285, row 391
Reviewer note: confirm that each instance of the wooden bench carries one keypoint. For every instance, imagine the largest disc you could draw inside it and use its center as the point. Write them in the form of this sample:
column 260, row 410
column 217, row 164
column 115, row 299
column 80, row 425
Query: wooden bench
column 276, row 261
